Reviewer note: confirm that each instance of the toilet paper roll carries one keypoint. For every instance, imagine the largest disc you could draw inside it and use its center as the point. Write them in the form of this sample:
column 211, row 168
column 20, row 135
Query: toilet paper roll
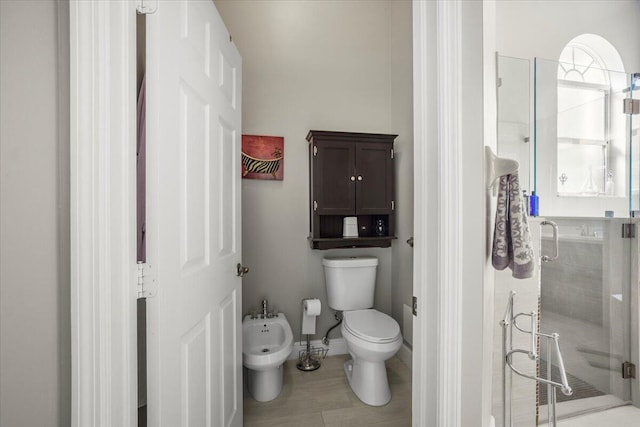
column 311, row 308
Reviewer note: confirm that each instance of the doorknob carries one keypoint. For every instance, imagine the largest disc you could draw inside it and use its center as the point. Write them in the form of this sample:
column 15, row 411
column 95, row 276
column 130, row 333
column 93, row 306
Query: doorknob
column 241, row 271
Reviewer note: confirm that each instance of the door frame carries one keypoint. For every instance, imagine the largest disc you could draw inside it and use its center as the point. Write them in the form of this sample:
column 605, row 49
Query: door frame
column 454, row 106
column 103, row 194
column 103, row 213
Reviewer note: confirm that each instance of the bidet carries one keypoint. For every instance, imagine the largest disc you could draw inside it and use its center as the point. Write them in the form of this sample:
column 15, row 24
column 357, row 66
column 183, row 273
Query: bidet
column 266, row 344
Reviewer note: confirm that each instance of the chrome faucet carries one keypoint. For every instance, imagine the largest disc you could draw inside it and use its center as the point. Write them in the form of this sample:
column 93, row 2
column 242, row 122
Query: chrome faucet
column 264, row 308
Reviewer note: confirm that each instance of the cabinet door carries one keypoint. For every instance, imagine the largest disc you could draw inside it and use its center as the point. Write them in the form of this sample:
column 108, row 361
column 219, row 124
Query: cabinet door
column 374, row 179
column 334, row 177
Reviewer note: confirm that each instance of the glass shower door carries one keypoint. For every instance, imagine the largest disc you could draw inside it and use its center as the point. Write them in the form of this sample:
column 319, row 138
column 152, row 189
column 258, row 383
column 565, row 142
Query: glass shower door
column 586, row 163
column 585, row 299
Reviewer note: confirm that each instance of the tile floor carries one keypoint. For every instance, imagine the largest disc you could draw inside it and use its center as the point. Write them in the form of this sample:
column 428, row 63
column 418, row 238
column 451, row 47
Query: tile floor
column 324, row 398
column 581, row 407
column 625, row 416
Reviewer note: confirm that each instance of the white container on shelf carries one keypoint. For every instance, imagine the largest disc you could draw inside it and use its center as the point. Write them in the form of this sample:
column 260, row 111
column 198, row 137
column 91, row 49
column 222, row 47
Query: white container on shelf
column 350, row 226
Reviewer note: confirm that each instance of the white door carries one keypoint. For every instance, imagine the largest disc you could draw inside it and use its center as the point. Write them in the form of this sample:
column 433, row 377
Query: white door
column 193, row 217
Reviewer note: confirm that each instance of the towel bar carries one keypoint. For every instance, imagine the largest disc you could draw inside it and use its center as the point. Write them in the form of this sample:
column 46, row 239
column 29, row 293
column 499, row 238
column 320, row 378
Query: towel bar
column 508, row 323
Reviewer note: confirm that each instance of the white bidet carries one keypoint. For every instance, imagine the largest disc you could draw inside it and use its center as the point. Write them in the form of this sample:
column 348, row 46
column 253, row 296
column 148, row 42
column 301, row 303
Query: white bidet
column 266, row 344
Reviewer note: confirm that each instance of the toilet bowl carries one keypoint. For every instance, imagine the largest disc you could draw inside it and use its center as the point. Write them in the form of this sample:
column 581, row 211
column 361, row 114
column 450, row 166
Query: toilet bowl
column 266, row 344
column 372, row 338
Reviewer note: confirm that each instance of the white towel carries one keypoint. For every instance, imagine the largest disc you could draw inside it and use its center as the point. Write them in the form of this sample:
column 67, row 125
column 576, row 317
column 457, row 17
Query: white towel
column 511, row 237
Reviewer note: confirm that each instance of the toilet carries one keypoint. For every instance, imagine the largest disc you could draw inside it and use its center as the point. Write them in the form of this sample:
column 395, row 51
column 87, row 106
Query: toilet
column 372, row 337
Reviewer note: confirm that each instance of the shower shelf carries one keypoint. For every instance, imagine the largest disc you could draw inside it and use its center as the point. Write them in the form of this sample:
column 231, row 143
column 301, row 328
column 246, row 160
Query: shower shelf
column 508, row 323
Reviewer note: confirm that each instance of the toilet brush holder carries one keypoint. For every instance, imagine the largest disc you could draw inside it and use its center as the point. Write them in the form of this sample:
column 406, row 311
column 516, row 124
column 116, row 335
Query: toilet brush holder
column 310, row 358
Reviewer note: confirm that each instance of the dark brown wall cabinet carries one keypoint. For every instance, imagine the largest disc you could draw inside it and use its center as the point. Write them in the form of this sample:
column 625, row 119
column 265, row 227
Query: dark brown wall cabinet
column 350, row 174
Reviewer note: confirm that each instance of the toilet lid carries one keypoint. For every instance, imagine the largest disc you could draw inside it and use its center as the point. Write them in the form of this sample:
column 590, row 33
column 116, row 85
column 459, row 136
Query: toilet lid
column 371, row 325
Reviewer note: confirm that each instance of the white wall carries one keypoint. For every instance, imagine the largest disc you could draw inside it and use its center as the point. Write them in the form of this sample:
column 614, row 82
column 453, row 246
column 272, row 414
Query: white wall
column 402, row 124
column 35, row 356
column 475, row 356
column 528, row 29
column 313, row 65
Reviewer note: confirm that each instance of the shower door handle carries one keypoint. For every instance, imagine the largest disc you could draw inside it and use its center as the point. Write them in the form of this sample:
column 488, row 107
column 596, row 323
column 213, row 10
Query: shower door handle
column 554, row 226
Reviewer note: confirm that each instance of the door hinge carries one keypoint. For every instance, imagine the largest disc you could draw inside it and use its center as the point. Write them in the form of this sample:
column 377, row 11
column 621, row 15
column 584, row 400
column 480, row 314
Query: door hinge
column 315, row 206
column 392, row 153
column 628, row 231
column 393, row 205
column 631, row 106
column 414, row 306
column 147, row 7
column 628, row 370
column 146, row 284
column 315, row 150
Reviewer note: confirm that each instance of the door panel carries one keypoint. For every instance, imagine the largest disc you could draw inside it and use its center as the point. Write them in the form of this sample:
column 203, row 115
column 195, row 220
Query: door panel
column 194, row 177
column 374, row 189
column 334, row 171
column 196, row 387
column 194, row 242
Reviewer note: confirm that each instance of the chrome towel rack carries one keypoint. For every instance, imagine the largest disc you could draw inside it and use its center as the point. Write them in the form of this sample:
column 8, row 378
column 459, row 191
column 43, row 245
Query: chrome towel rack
column 508, row 323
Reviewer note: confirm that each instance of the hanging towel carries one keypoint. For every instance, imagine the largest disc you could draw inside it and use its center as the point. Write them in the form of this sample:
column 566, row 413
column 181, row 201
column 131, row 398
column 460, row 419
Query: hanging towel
column 511, row 237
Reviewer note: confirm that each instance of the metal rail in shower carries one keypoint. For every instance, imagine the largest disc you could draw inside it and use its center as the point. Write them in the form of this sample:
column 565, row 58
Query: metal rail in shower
column 508, row 323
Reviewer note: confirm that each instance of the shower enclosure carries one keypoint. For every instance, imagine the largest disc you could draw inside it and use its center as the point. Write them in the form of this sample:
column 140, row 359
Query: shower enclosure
column 581, row 156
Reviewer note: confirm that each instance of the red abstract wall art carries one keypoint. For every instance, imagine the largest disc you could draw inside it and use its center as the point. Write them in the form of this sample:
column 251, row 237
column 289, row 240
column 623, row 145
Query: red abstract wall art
column 263, row 157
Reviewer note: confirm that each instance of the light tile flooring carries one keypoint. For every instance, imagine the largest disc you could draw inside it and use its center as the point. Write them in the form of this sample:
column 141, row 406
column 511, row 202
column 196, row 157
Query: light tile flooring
column 575, row 408
column 324, row 398
column 625, row 416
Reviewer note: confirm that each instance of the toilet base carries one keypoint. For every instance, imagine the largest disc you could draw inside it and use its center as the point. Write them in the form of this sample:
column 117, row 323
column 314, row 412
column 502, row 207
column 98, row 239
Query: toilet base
column 266, row 385
column 368, row 380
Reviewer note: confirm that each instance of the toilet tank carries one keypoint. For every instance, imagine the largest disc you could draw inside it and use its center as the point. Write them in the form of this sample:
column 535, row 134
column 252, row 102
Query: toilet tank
column 350, row 282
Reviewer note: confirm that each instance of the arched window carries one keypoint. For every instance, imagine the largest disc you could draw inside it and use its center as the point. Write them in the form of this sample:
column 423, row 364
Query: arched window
column 586, row 89
column 581, row 64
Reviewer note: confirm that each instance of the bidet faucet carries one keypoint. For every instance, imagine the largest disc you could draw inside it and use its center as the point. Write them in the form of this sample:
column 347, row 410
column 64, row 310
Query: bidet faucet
column 264, row 308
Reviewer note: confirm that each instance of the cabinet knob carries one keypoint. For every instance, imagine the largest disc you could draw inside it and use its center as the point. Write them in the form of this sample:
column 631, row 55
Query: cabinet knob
column 359, row 177
column 353, row 178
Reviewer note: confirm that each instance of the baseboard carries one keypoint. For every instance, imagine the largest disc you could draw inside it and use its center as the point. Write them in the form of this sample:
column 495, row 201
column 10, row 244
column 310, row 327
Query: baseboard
column 336, row 346
column 405, row 354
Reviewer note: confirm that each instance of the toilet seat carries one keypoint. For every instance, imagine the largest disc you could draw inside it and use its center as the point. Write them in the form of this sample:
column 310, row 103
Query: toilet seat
column 371, row 325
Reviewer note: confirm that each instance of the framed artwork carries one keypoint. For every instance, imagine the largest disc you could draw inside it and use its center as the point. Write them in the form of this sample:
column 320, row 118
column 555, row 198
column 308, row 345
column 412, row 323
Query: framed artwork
column 263, row 157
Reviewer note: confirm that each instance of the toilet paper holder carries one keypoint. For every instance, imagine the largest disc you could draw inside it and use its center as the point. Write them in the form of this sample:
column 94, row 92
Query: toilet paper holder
column 309, row 359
